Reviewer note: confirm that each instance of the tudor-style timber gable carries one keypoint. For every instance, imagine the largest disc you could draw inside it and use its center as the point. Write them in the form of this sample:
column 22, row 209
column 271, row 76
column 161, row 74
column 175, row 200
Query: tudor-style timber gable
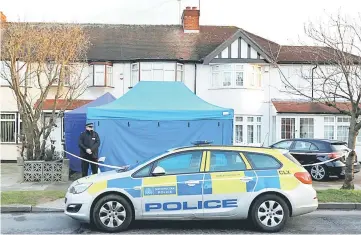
column 239, row 48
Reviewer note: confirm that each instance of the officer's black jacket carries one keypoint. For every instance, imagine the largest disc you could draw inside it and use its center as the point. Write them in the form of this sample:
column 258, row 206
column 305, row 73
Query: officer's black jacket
column 89, row 140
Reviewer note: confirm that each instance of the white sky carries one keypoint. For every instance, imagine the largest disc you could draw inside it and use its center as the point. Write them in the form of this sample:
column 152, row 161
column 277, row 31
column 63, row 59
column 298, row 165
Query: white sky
column 278, row 20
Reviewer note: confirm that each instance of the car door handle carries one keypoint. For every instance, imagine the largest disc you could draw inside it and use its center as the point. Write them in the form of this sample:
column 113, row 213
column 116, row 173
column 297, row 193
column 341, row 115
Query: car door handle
column 246, row 179
column 192, row 182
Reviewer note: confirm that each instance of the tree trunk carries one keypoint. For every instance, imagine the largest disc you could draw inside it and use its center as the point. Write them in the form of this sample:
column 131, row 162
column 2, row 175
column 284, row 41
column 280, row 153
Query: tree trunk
column 37, row 152
column 349, row 173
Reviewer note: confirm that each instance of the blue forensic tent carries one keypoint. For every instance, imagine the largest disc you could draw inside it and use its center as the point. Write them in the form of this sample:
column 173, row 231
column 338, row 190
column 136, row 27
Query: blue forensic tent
column 155, row 116
column 74, row 122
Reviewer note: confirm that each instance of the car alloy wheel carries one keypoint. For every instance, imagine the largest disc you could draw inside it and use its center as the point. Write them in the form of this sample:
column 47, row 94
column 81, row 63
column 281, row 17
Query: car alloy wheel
column 112, row 214
column 318, row 172
column 270, row 213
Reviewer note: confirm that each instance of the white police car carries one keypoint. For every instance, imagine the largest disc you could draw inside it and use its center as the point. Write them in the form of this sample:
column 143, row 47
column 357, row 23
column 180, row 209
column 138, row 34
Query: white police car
column 197, row 183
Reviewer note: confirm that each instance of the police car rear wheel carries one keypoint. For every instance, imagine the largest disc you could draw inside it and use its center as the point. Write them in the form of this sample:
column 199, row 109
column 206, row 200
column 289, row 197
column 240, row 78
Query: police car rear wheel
column 112, row 213
column 269, row 213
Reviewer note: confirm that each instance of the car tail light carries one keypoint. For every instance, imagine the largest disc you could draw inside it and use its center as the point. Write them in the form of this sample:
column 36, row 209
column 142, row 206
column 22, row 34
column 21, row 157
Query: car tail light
column 334, row 155
column 304, row 177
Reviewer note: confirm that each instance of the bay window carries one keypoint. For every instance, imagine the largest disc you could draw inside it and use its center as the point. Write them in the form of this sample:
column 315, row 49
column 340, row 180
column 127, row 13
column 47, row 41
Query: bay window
column 159, row 71
column 233, row 76
column 101, row 74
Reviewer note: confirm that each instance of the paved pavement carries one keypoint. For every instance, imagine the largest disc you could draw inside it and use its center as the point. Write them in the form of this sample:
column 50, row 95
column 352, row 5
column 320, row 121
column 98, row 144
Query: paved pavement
column 10, row 181
column 336, row 183
column 318, row 222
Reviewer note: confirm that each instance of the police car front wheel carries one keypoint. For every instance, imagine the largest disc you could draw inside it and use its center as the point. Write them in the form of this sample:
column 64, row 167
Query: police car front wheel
column 112, row 213
column 269, row 213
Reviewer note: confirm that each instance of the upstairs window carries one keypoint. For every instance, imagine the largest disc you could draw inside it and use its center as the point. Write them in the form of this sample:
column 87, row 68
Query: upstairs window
column 135, row 74
column 101, row 74
column 180, row 72
column 233, row 76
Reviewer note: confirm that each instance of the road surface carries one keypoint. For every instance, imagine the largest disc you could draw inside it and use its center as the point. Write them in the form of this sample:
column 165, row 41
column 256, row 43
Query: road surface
column 319, row 222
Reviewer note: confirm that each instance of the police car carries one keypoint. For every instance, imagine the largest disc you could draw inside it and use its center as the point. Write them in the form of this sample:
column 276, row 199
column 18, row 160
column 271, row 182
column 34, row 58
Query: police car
column 199, row 182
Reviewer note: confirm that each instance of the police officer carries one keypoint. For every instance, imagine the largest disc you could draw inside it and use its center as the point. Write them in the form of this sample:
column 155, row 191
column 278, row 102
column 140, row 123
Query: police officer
column 89, row 143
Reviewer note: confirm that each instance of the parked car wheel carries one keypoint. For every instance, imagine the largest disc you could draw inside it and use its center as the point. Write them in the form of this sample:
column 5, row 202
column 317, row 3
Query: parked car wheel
column 269, row 213
column 112, row 213
column 319, row 172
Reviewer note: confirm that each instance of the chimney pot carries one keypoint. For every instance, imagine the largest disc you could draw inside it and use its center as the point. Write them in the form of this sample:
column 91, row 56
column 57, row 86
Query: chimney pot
column 194, row 8
column 188, row 8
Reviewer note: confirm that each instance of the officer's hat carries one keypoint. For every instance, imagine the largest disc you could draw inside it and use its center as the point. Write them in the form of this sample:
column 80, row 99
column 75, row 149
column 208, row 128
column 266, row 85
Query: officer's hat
column 89, row 124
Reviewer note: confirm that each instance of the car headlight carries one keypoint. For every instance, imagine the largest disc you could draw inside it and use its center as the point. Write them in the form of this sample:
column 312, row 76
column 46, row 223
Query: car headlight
column 79, row 188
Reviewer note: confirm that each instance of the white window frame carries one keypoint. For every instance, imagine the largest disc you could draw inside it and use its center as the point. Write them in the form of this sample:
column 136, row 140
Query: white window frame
column 5, row 71
column 308, row 127
column 134, row 69
column 181, row 71
column 246, row 122
column 107, row 73
column 249, row 76
column 292, row 132
column 17, row 126
column 328, row 123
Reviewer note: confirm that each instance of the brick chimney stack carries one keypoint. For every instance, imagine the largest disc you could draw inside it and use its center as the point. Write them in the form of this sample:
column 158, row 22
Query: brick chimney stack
column 190, row 20
column 2, row 20
column 2, row 17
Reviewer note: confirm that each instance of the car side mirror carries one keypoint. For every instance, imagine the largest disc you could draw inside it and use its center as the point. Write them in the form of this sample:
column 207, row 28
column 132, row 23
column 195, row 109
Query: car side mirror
column 158, row 171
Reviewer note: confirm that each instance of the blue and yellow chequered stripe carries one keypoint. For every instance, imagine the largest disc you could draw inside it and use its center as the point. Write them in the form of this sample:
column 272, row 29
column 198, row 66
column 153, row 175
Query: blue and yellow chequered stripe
column 214, row 183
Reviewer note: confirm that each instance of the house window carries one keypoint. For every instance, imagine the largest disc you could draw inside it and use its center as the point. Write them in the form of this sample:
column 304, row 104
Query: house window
column 5, row 74
column 227, row 76
column 66, row 76
column 306, row 128
column 256, row 76
column 287, row 128
column 343, row 124
column 21, row 67
column 239, row 76
column 135, row 74
column 101, row 75
column 158, row 71
column 180, row 72
column 239, row 133
column 8, row 127
column 252, row 132
column 329, row 128
column 342, row 133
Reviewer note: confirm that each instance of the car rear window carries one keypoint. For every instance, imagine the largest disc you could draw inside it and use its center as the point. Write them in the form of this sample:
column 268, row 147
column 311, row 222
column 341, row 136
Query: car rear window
column 261, row 161
column 339, row 146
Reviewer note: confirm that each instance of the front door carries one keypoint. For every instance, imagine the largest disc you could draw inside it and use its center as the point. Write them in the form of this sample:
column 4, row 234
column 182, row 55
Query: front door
column 177, row 193
column 228, row 183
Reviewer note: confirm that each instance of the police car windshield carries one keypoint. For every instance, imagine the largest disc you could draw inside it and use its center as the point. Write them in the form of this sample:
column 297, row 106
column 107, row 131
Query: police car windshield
column 131, row 167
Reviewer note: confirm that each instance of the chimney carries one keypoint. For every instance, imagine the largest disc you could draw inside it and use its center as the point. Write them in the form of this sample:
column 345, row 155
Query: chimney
column 2, row 17
column 190, row 20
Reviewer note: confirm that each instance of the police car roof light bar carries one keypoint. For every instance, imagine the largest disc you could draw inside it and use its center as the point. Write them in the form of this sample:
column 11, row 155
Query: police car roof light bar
column 202, row 142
